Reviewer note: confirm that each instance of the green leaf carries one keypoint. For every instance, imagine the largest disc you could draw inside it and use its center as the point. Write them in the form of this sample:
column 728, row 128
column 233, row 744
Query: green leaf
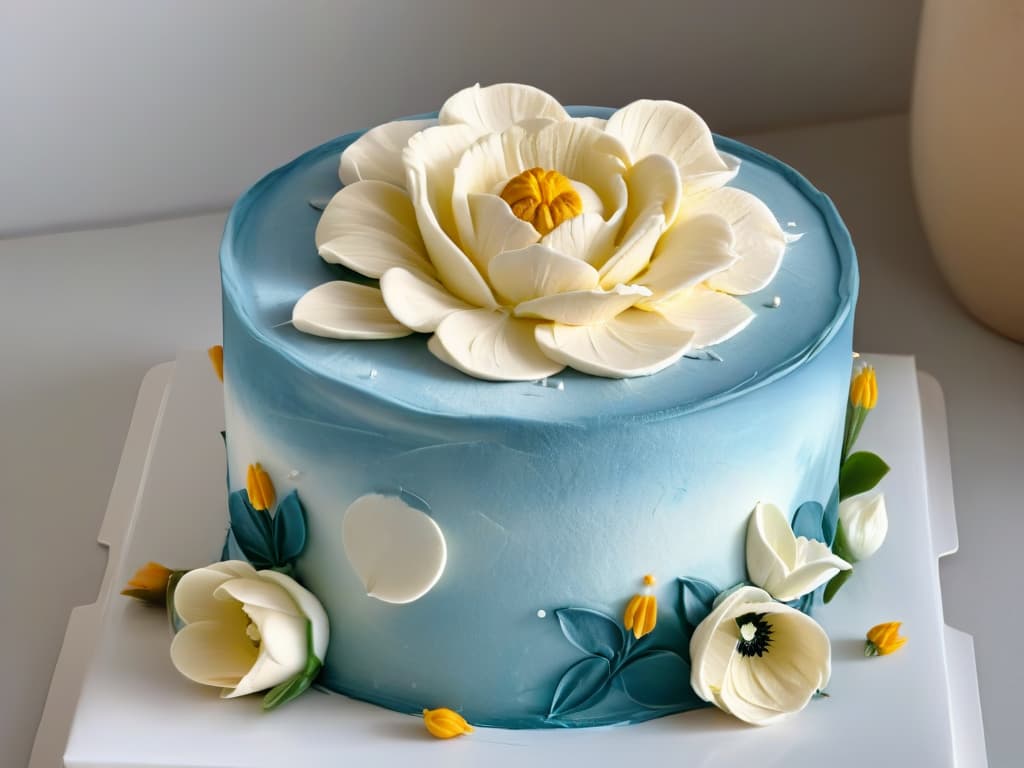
column 842, row 549
column 173, row 618
column 294, row 686
column 836, row 584
column 859, row 473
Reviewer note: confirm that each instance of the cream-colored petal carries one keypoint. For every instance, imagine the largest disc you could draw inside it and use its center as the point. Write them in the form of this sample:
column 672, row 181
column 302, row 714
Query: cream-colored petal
column 495, row 229
column 731, row 696
column 496, row 107
column 690, row 252
column 712, row 316
column 482, row 169
column 309, row 606
column 343, row 310
column 758, row 240
column 282, row 653
column 377, row 154
column 709, row 652
column 634, row 343
column 648, row 127
column 492, row 346
column 212, row 653
column 455, row 270
column 592, row 122
column 865, row 524
column 590, row 200
column 258, row 593
column 634, row 253
column 371, row 227
column 583, row 307
column 194, row 596
column 699, row 183
column 587, row 237
column 652, row 182
column 537, row 270
column 770, row 548
column 416, row 301
column 398, row 552
column 816, row 565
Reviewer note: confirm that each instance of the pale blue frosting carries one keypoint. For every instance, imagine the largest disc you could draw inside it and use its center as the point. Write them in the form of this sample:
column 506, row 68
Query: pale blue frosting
column 548, row 497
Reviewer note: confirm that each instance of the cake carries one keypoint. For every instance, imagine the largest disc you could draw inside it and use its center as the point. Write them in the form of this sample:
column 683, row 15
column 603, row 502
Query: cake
column 518, row 487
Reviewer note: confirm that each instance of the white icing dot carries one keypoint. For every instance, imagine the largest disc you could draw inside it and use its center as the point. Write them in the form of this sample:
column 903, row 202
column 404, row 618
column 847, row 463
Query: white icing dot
column 373, row 373
column 790, row 223
column 541, row 613
column 561, row 386
column 776, row 301
column 293, row 474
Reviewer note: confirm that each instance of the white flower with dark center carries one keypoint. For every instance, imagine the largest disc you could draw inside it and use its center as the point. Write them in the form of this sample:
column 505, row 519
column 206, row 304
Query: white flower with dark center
column 526, row 241
column 758, row 659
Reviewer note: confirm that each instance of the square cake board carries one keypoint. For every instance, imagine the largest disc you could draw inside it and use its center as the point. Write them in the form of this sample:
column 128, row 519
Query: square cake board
column 115, row 698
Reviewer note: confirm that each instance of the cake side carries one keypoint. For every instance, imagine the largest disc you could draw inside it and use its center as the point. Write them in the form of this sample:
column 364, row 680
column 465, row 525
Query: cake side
column 549, row 496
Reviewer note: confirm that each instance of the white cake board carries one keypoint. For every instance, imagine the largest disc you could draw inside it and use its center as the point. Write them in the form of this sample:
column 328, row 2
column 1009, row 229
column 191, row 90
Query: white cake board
column 115, row 699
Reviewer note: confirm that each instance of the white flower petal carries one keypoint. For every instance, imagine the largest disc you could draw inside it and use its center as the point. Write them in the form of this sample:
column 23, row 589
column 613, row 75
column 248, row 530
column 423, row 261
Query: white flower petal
column 499, row 106
column 492, row 346
column 398, row 552
column 283, row 651
column 371, row 227
column 815, row 565
column 343, row 310
column 536, row 271
column 865, row 524
column 259, row 594
column 587, row 237
column 593, row 122
column 634, row 343
column 194, row 596
column 416, row 301
column 430, row 164
column 377, row 154
column 495, row 229
column 710, row 652
column 758, row 240
column 699, row 183
column 712, row 316
column 690, row 252
column 583, row 307
column 652, row 182
column 589, row 199
column 482, row 169
column 635, row 251
column 309, row 606
column 211, row 653
column 666, row 128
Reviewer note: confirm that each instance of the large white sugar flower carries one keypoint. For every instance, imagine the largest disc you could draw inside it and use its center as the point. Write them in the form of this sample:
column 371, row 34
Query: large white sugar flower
column 526, row 241
column 246, row 630
column 786, row 565
column 757, row 659
column 865, row 524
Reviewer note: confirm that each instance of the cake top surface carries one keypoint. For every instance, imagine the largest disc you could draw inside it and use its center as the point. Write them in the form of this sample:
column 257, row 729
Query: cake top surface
column 269, row 261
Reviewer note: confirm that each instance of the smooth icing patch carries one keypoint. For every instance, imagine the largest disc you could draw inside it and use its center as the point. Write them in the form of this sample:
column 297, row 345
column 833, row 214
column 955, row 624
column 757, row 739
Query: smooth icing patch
column 398, row 552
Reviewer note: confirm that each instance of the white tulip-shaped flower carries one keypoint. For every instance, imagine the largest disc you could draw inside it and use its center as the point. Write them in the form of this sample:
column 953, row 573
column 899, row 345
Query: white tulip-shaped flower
column 246, row 630
column 865, row 525
column 786, row 565
column 758, row 659
column 525, row 240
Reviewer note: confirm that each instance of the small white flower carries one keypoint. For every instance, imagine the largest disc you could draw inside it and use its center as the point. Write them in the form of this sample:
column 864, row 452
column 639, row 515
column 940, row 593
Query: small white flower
column 526, row 241
column 786, row 565
column 757, row 659
column 865, row 524
column 246, row 630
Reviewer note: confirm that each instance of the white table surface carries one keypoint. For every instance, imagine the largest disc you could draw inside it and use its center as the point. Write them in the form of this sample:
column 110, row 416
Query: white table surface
column 86, row 314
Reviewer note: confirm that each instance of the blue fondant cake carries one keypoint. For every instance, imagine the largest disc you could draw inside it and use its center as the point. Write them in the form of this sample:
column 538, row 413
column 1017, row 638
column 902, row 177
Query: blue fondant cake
column 475, row 543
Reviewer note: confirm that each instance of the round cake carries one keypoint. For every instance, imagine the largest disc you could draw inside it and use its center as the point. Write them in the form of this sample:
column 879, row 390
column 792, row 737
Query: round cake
column 471, row 539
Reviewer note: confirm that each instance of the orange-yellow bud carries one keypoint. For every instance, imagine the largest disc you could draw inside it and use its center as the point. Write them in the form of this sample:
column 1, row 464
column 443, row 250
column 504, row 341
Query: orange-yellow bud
column 641, row 615
column 260, row 488
column 444, row 723
column 864, row 388
column 216, row 354
column 884, row 639
column 149, row 584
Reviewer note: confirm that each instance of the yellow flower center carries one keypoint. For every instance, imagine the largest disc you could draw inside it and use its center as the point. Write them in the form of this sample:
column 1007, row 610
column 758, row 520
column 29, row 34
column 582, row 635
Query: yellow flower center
column 543, row 198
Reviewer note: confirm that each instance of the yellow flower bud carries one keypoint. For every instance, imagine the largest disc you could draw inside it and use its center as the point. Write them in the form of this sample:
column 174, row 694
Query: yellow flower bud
column 260, row 488
column 542, row 198
column 149, row 584
column 216, row 354
column 884, row 639
column 641, row 615
column 864, row 388
column 443, row 723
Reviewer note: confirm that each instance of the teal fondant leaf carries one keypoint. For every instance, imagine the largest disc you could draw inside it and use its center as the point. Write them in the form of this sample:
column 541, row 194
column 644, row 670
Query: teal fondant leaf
column 696, row 597
column 252, row 530
column 805, row 604
column 830, row 520
column 580, row 685
column 591, row 632
column 231, row 550
column 860, row 472
column 289, row 528
column 657, row 679
column 808, row 521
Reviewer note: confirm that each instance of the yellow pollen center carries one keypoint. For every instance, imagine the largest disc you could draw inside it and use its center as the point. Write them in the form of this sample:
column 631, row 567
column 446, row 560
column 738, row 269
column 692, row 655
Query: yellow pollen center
column 543, row 198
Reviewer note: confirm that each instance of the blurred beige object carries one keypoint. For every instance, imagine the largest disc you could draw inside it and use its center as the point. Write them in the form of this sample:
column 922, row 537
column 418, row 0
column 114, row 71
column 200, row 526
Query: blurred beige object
column 967, row 152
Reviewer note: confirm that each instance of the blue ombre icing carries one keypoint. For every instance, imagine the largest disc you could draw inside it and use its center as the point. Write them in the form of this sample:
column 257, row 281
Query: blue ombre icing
column 549, row 497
